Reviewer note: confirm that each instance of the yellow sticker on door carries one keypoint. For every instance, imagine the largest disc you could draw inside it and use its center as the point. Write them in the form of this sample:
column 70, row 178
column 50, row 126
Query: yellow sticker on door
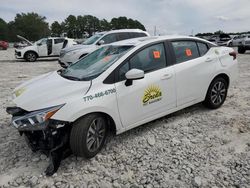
column 151, row 95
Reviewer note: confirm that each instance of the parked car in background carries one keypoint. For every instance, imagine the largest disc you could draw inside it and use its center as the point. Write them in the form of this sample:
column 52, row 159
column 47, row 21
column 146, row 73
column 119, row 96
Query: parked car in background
column 220, row 40
column 119, row 87
column 244, row 44
column 45, row 47
column 4, row 45
column 74, row 53
column 235, row 40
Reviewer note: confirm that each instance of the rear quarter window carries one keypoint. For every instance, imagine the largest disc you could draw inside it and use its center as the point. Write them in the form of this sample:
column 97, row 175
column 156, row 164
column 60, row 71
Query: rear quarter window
column 57, row 41
column 136, row 35
column 203, row 48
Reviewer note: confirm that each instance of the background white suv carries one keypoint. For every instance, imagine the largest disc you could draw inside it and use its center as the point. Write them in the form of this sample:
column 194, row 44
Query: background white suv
column 74, row 53
column 45, row 47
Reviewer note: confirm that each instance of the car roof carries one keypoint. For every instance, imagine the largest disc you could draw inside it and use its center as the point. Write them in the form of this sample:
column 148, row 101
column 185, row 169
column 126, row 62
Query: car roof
column 146, row 40
column 122, row 31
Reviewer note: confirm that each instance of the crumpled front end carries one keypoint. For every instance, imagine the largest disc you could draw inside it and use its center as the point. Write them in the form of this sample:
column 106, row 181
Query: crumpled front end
column 43, row 134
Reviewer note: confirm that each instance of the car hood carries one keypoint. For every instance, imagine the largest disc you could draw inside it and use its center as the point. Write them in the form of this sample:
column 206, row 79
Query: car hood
column 76, row 47
column 48, row 90
column 24, row 39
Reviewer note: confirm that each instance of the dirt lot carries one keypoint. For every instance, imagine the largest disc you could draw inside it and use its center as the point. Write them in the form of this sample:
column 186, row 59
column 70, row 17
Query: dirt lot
column 195, row 147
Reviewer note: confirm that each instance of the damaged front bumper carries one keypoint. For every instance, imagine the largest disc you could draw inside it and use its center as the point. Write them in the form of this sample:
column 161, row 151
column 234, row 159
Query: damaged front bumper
column 43, row 134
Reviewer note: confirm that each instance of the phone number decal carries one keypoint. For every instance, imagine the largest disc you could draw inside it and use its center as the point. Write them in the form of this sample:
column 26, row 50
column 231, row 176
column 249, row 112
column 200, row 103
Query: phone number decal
column 99, row 94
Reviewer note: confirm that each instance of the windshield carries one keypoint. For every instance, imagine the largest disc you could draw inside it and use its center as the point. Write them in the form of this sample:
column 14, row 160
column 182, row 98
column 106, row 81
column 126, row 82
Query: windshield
column 41, row 41
column 95, row 63
column 92, row 39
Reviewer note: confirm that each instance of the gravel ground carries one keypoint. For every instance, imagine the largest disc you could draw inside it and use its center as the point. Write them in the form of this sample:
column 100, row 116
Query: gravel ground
column 195, row 147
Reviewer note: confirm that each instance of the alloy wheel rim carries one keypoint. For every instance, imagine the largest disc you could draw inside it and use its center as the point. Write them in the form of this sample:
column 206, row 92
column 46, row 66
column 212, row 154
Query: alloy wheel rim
column 218, row 93
column 31, row 57
column 95, row 134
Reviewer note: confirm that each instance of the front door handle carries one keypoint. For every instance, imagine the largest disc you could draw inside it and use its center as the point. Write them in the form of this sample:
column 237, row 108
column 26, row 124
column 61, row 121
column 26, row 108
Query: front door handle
column 166, row 76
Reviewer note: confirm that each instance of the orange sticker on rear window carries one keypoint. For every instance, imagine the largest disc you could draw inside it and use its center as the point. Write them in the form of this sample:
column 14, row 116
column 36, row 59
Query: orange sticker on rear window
column 157, row 54
column 188, row 52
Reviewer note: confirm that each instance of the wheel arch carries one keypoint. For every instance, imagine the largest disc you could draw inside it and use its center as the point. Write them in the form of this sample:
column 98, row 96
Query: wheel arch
column 108, row 117
column 219, row 75
column 24, row 55
column 222, row 75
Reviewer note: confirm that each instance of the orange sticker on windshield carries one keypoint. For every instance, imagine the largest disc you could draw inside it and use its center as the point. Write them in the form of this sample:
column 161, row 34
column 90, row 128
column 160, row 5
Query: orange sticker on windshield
column 188, row 52
column 157, row 54
column 106, row 59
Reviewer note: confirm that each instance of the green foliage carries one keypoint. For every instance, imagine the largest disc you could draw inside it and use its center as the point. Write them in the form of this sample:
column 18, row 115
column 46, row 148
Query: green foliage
column 56, row 29
column 3, row 30
column 124, row 23
column 31, row 26
column 78, row 27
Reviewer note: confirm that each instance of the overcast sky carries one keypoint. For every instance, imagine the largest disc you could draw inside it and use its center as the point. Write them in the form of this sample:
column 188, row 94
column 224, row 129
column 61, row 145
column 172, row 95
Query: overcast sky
column 169, row 16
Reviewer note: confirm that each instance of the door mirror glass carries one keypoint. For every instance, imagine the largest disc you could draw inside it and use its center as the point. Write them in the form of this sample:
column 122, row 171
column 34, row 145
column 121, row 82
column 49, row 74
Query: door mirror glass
column 101, row 42
column 133, row 74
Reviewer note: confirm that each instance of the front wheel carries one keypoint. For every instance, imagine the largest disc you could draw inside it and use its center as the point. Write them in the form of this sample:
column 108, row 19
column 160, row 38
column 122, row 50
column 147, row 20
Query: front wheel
column 216, row 94
column 30, row 57
column 88, row 135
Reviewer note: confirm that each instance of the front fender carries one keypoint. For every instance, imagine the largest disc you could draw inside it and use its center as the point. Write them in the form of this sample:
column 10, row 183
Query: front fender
column 79, row 108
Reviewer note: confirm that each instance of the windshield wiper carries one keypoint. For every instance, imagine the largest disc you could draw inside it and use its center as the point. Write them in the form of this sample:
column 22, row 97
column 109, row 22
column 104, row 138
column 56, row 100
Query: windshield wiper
column 70, row 77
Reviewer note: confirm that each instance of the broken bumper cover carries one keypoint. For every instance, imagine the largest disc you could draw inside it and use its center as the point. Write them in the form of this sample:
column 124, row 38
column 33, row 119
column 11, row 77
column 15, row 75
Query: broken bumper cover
column 42, row 134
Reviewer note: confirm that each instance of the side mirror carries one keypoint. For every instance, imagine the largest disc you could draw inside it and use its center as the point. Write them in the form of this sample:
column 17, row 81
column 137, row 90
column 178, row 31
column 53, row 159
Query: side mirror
column 133, row 74
column 101, row 42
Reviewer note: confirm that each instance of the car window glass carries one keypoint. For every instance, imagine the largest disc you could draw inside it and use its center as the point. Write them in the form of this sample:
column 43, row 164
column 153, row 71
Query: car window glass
column 109, row 38
column 123, row 70
column 135, row 35
column 122, row 36
column 95, row 63
column 185, row 50
column 202, row 48
column 42, row 42
column 140, row 35
column 149, row 59
column 56, row 41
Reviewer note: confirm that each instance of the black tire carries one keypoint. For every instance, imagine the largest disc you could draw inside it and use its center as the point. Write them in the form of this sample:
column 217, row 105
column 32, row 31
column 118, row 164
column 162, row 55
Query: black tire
column 30, row 56
column 217, row 93
column 241, row 50
column 82, row 131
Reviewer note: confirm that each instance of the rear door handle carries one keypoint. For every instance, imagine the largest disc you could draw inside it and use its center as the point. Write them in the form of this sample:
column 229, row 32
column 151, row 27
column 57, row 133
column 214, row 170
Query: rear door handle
column 209, row 59
column 166, row 76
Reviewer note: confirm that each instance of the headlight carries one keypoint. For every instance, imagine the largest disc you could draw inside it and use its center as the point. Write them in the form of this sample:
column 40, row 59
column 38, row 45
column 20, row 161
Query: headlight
column 38, row 117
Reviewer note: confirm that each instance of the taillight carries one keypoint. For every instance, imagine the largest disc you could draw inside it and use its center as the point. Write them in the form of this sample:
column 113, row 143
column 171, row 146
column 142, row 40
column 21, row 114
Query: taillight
column 233, row 54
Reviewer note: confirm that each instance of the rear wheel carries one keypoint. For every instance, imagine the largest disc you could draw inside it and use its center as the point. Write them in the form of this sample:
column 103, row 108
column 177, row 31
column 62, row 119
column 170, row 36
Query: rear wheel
column 217, row 93
column 30, row 56
column 241, row 50
column 88, row 135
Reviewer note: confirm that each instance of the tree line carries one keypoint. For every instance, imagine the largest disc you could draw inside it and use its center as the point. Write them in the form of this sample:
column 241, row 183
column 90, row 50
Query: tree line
column 34, row 26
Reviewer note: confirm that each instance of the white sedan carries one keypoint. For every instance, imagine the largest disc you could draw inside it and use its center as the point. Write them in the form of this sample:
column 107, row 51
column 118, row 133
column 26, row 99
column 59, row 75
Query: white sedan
column 119, row 87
